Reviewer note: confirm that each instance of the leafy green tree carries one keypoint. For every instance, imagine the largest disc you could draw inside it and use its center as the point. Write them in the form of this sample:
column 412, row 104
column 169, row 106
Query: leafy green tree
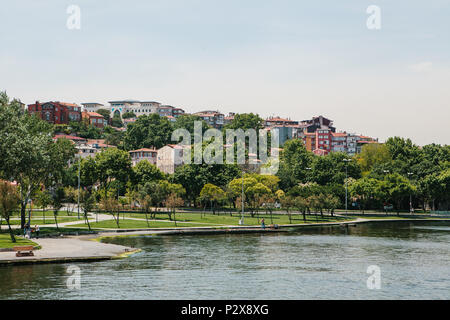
column 212, row 194
column 295, row 160
column 87, row 205
column 128, row 115
column 43, row 199
column 364, row 189
column 148, row 131
column 332, row 169
column 112, row 164
column 246, row 121
column 9, row 201
column 373, row 154
column 57, row 197
column 397, row 188
column 29, row 155
column 144, row 171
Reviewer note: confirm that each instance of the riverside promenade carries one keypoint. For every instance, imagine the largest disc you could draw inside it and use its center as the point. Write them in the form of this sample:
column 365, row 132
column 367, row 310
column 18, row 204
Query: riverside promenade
column 89, row 248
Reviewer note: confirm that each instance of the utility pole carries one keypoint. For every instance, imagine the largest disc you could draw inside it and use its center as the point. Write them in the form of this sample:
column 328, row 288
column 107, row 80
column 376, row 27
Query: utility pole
column 410, row 195
column 346, row 184
column 78, row 204
column 242, row 198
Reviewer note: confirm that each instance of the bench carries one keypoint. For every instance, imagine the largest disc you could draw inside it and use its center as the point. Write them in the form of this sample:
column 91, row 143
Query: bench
column 23, row 251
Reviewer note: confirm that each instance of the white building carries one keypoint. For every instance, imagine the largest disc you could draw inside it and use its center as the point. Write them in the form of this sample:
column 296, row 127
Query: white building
column 170, row 157
column 92, row 106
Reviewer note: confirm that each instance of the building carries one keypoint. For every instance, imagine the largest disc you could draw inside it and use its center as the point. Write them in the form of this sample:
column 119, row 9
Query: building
column 317, row 123
column 277, row 121
column 139, row 108
column 213, row 118
column 56, row 112
column 170, row 157
column 170, row 111
column 229, row 118
column 94, row 118
column 143, row 154
column 92, row 106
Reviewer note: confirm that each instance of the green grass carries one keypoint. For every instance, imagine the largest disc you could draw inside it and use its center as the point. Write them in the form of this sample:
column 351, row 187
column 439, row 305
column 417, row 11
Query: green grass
column 5, row 241
column 391, row 217
column 39, row 221
column 225, row 219
column 132, row 224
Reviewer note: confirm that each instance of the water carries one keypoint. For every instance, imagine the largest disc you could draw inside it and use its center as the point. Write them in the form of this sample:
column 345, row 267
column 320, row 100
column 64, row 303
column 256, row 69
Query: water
column 318, row 263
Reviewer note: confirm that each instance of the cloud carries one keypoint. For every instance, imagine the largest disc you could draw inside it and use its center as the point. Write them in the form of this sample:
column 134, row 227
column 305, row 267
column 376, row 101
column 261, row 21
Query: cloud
column 424, row 66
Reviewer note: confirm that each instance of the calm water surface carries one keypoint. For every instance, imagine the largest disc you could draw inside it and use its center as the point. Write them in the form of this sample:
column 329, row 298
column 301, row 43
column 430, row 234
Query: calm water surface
column 320, row 263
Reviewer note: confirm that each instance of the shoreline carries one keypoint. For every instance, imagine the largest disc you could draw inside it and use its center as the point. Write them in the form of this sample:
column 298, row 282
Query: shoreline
column 90, row 248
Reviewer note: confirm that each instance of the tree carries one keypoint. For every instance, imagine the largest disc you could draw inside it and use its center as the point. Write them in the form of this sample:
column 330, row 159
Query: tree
column 148, row 131
column 43, row 199
column 373, row 154
column 112, row 164
column 87, row 204
column 398, row 187
column 128, row 115
column 364, row 189
column 111, row 205
column 213, row 194
column 57, row 197
column 145, row 202
column 246, row 121
column 287, row 203
column 302, row 205
column 9, row 201
column 29, row 155
column 173, row 201
column 144, row 172
column 295, row 160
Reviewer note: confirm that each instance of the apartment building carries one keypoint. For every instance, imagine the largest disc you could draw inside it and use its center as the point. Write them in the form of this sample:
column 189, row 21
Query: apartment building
column 94, row 118
column 143, row 154
column 213, row 118
column 92, row 106
column 171, row 157
column 56, row 112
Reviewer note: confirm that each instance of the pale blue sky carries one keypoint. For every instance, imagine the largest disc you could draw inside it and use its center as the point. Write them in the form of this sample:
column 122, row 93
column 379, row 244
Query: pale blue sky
column 289, row 58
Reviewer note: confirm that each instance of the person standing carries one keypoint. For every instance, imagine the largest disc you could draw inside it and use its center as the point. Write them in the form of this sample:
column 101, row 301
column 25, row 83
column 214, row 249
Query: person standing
column 263, row 224
column 37, row 229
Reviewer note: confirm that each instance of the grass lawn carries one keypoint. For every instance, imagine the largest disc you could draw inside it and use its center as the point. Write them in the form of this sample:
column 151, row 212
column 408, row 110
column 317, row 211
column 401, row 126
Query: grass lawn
column 225, row 219
column 40, row 221
column 418, row 217
column 5, row 241
column 131, row 224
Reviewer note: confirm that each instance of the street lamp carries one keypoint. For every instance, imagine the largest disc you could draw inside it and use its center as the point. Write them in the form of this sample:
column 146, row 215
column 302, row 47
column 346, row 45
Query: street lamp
column 242, row 198
column 78, row 202
column 346, row 183
column 410, row 195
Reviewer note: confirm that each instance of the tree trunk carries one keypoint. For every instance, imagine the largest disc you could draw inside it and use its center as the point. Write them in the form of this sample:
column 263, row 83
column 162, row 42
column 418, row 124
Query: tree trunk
column 304, row 215
column 11, row 233
column 87, row 221
column 56, row 221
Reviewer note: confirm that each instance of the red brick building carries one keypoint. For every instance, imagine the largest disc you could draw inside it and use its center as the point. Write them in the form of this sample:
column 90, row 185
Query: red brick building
column 56, row 112
column 94, row 118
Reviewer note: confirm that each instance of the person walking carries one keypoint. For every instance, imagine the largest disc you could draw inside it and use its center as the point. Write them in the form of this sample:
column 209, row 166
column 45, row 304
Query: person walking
column 37, row 229
column 263, row 225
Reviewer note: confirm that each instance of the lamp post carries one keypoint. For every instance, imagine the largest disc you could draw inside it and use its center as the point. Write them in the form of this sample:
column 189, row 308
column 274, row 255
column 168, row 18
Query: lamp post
column 78, row 201
column 410, row 195
column 242, row 198
column 346, row 184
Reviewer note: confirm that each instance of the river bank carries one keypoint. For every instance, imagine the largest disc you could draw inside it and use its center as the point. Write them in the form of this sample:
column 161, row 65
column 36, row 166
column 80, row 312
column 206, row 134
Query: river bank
column 89, row 248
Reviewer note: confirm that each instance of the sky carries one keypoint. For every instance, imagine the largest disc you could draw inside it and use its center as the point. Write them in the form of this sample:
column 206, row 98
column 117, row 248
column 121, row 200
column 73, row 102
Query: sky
column 288, row 58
